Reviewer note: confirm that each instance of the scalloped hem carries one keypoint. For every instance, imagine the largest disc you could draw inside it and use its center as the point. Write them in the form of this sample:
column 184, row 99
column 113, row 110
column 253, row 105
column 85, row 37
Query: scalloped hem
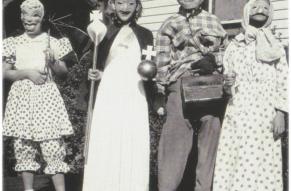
column 56, row 167
column 37, row 139
column 27, row 166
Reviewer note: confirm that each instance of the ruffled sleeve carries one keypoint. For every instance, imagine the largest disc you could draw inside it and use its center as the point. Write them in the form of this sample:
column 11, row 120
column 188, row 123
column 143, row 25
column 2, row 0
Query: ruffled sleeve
column 63, row 47
column 9, row 51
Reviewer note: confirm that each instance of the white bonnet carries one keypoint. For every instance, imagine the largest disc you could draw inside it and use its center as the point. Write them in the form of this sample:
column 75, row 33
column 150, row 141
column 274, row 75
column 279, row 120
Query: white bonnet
column 32, row 4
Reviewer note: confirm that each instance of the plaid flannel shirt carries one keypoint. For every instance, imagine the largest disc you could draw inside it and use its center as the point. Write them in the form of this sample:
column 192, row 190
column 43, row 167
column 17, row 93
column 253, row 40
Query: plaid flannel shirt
column 176, row 45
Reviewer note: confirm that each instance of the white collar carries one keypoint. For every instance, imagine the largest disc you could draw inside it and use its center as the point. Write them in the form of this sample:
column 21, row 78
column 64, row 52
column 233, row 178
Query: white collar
column 41, row 36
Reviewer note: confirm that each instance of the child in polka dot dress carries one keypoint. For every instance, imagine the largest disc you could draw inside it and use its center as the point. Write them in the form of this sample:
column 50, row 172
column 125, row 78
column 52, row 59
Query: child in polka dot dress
column 249, row 151
column 35, row 114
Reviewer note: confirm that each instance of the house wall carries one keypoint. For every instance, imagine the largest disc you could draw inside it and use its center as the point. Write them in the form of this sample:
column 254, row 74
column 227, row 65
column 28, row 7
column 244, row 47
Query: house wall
column 156, row 11
column 281, row 19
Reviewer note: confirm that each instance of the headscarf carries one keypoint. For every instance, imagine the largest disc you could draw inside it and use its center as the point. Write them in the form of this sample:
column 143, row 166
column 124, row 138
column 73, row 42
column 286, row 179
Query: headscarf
column 267, row 47
column 33, row 4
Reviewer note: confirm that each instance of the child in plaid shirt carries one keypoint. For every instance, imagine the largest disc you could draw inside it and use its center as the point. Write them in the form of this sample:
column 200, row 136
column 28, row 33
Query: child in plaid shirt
column 186, row 38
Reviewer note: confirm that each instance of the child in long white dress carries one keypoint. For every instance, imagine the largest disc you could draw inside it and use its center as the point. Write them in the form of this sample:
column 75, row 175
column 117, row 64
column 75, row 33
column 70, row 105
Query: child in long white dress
column 119, row 147
column 35, row 114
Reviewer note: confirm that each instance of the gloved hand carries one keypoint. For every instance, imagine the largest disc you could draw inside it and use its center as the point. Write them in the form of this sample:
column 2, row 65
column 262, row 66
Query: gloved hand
column 206, row 65
column 206, row 41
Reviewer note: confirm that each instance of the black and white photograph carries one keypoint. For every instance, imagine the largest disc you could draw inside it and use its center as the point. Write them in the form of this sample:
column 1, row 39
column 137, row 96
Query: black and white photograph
column 145, row 95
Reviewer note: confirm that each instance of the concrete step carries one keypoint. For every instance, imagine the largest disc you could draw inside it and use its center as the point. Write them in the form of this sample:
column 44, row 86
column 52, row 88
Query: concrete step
column 43, row 183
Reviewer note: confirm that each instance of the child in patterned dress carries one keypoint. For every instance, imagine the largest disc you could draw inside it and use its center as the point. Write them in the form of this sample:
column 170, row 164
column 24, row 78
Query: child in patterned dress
column 35, row 114
column 249, row 155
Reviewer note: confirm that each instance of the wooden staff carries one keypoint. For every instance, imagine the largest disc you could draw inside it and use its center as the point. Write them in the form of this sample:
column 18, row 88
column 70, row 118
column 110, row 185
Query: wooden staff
column 90, row 105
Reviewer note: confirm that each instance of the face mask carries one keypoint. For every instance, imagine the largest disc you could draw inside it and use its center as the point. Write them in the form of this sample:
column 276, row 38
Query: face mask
column 259, row 11
column 31, row 20
column 190, row 4
column 125, row 9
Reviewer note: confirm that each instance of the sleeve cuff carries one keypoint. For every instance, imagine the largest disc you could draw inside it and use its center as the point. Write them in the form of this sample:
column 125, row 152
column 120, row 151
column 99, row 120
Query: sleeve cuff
column 282, row 107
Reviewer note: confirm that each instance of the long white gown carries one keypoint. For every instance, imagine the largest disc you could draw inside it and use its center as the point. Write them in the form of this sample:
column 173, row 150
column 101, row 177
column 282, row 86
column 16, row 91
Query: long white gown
column 119, row 146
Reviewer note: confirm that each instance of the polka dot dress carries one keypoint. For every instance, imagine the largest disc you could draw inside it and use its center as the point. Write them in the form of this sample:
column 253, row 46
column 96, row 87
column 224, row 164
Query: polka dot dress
column 248, row 157
column 35, row 112
column 53, row 152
